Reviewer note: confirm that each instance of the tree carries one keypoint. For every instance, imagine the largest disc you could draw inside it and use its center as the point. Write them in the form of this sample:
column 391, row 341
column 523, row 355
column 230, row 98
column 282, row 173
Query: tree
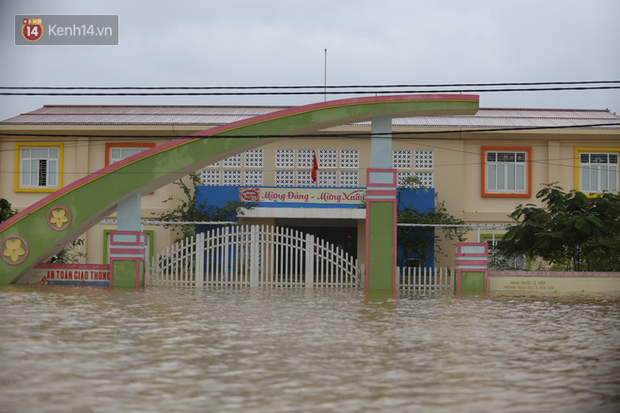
column 573, row 232
column 421, row 242
column 6, row 211
column 188, row 209
column 71, row 254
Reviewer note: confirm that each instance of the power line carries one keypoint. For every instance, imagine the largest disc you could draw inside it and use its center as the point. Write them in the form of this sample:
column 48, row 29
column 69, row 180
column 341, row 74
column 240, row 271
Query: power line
column 357, row 92
column 281, row 87
column 459, row 130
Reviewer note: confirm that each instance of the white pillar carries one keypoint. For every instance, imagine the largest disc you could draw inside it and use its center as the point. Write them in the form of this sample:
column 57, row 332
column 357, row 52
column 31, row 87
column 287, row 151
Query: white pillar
column 129, row 213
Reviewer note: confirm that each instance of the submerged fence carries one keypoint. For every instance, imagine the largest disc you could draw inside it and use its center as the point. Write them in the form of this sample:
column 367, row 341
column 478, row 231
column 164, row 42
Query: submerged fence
column 425, row 278
column 253, row 255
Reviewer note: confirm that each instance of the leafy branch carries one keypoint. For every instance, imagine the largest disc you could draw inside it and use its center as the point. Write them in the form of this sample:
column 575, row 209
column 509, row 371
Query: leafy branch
column 573, row 232
column 188, row 209
column 421, row 242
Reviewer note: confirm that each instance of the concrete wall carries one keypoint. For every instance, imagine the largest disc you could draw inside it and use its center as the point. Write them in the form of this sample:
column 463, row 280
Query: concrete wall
column 539, row 281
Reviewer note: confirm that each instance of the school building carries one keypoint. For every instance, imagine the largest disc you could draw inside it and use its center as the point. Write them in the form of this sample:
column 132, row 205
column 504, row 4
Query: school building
column 481, row 165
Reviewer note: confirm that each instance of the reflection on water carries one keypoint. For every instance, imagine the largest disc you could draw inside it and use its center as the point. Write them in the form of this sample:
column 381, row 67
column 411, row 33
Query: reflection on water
column 80, row 349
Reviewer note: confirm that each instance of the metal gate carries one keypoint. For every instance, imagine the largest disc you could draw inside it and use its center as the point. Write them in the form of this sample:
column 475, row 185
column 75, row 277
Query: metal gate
column 425, row 278
column 254, row 256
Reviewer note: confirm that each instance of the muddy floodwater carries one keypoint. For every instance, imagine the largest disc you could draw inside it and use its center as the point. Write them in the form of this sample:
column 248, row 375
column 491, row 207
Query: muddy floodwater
column 87, row 349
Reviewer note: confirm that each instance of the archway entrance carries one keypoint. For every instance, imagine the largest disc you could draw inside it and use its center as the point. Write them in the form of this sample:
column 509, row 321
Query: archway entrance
column 43, row 229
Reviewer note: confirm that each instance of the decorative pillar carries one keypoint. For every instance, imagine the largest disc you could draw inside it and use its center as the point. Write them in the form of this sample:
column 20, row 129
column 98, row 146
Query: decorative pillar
column 127, row 254
column 128, row 245
column 381, row 206
column 472, row 267
column 128, row 211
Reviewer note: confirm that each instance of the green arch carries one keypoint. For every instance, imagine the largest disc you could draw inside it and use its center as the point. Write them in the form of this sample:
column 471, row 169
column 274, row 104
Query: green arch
column 90, row 199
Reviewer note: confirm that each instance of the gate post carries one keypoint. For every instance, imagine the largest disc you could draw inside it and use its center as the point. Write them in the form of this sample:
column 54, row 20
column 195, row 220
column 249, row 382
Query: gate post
column 254, row 248
column 381, row 182
column 472, row 267
column 199, row 259
column 309, row 260
column 127, row 255
column 225, row 260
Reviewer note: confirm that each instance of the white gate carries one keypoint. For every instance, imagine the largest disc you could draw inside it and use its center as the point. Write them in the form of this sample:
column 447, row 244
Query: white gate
column 253, row 256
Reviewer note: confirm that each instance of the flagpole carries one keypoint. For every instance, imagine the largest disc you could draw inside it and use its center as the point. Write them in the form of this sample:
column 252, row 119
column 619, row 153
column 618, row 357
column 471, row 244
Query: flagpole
column 325, row 78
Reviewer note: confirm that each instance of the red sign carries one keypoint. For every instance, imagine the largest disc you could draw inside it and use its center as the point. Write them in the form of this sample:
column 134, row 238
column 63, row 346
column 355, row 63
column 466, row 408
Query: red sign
column 303, row 195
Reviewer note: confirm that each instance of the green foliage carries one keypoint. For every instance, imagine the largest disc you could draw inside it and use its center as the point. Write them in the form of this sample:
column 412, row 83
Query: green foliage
column 189, row 211
column 421, row 242
column 71, row 254
column 6, row 211
column 573, row 232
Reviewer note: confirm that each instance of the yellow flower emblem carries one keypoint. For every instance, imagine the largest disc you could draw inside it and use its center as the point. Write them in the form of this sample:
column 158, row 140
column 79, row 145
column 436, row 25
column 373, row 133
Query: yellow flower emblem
column 13, row 249
column 59, row 217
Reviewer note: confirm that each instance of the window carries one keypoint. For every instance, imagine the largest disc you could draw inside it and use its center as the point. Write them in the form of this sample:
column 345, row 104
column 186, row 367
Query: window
column 118, row 151
column 328, row 158
column 305, row 157
column 327, row 179
column 497, row 261
column 401, row 176
column 349, row 158
column 506, row 172
column 423, row 159
column 285, row 158
column 253, row 178
column 401, row 159
column 349, row 179
column 118, row 154
column 285, row 178
column 232, row 178
column 39, row 167
column 598, row 171
column 210, row 177
column 426, row 179
column 254, row 158
column 233, row 161
column 304, row 179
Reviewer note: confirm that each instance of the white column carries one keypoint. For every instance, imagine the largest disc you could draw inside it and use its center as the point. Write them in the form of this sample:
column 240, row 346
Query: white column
column 129, row 213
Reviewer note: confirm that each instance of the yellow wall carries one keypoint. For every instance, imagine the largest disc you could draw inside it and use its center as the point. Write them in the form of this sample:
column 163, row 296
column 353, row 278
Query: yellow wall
column 457, row 167
column 547, row 284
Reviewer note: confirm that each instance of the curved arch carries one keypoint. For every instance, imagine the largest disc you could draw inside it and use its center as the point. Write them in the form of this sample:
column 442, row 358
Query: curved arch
column 84, row 203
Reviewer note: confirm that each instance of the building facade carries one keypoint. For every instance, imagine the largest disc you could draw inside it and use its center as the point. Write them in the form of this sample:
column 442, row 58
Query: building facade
column 481, row 166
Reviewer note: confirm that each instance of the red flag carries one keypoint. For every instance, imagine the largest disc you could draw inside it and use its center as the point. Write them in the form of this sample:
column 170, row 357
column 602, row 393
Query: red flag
column 315, row 166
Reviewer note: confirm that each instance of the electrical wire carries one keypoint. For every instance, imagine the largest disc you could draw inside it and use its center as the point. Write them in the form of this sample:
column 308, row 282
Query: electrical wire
column 322, row 87
column 357, row 92
column 459, row 130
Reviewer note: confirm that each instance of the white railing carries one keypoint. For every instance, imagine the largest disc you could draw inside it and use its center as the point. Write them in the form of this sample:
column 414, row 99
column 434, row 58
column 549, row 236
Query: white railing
column 254, row 256
column 425, row 278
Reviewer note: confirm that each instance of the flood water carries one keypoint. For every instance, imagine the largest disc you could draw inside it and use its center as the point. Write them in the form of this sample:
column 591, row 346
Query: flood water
column 81, row 349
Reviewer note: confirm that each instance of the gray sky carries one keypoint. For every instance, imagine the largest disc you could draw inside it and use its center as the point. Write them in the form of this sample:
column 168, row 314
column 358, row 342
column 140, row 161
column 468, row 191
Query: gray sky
column 269, row 42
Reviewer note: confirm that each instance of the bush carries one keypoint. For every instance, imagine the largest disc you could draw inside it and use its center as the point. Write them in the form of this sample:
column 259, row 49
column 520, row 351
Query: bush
column 573, row 232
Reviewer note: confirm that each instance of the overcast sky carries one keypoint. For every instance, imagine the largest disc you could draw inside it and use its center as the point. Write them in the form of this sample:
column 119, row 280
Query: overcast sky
column 270, row 42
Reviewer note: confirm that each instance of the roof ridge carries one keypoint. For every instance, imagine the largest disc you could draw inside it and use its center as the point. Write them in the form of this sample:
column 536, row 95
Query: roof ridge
column 164, row 106
column 136, row 114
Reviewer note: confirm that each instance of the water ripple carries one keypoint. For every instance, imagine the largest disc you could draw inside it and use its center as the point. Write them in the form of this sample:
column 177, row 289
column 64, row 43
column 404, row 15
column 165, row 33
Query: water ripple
column 83, row 349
